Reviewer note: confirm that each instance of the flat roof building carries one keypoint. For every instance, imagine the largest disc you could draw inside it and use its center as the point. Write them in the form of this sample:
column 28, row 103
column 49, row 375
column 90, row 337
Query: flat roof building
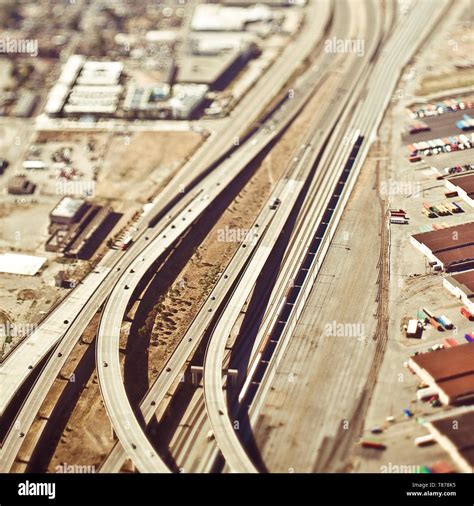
column 14, row 263
column 20, row 185
column 451, row 247
column 68, row 210
column 455, row 434
column 215, row 70
column 187, row 99
column 464, row 185
column 461, row 285
column 450, row 371
column 215, row 17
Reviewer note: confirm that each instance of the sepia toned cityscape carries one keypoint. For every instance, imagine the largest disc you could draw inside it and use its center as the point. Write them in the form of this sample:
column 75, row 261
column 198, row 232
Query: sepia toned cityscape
column 237, row 237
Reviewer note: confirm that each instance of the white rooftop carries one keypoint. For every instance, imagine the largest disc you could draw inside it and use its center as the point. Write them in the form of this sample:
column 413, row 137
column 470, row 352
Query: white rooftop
column 67, row 207
column 14, row 263
column 215, row 17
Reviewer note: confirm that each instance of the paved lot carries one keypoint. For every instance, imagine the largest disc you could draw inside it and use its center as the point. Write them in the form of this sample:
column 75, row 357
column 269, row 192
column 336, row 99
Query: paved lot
column 441, row 126
column 318, row 390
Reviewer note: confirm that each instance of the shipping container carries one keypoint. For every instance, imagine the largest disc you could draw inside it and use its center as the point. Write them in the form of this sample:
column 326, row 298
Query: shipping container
column 421, row 315
column 436, row 325
column 425, row 440
column 425, row 393
column 467, row 314
column 373, row 444
column 446, row 322
column 399, row 221
column 450, row 342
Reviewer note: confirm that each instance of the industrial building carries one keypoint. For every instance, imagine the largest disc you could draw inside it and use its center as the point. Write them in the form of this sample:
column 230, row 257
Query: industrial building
column 464, row 186
column 60, row 91
column 214, row 70
column 461, row 285
column 452, row 248
column 187, row 100
column 213, row 43
column 86, row 88
column 15, row 263
column 450, row 371
column 77, row 227
column 454, row 433
column 20, row 185
column 148, row 102
column 215, row 17
column 68, row 211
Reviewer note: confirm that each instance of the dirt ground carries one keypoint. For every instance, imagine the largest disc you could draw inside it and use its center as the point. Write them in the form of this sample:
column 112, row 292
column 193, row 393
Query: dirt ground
column 136, row 166
column 86, row 436
column 183, row 300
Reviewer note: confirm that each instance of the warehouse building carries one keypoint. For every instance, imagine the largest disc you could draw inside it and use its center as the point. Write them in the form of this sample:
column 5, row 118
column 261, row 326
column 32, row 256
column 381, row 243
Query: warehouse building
column 455, row 434
column 215, row 17
column 450, row 371
column 187, row 100
column 68, row 211
column 86, row 88
column 60, row 91
column 452, row 248
column 78, row 227
column 215, row 70
column 464, row 185
column 148, row 102
column 462, row 287
column 25, row 105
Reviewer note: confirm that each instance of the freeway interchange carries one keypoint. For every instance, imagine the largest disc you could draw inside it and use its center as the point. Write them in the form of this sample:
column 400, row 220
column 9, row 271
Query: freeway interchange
column 299, row 220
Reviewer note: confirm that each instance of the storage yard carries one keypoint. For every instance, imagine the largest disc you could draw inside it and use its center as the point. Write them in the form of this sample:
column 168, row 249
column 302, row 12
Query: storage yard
column 427, row 365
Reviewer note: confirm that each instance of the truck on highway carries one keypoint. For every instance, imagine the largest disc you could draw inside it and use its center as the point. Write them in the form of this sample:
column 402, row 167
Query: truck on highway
column 127, row 242
column 275, row 203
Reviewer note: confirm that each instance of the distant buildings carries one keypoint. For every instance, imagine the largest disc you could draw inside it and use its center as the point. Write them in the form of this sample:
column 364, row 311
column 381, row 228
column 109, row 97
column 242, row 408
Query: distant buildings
column 216, row 17
column 25, row 105
column 183, row 101
column 208, row 64
column 95, row 89
column 86, row 88
column 187, row 99
column 148, row 102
